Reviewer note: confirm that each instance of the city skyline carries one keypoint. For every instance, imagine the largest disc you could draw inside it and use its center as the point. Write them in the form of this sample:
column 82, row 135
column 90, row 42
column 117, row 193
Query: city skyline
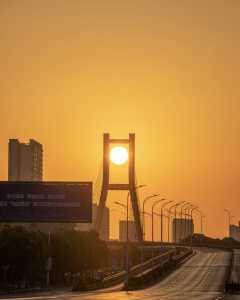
column 167, row 71
column 115, row 233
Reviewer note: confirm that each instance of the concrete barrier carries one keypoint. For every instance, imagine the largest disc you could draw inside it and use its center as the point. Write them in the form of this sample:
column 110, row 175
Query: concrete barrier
column 233, row 282
column 158, row 270
column 119, row 277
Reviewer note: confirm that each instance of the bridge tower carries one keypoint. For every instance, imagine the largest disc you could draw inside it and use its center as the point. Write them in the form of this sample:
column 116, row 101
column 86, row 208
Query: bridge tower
column 130, row 186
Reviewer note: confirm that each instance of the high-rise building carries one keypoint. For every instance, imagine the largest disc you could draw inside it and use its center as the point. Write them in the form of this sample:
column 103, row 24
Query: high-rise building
column 104, row 234
column 25, row 161
column 234, row 231
column 132, row 234
column 181, row 229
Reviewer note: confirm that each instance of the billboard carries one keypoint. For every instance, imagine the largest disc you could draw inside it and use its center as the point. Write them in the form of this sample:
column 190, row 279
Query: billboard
column 46, row 202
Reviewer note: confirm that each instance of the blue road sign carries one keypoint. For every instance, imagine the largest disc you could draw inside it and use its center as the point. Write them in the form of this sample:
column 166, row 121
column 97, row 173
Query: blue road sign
column 46, row 202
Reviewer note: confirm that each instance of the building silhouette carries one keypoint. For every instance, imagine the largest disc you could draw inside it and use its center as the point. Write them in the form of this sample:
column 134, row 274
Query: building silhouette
column 234, row 231
column 25, row 161
column 104, row 233
column 132, row 233
column 181, row 229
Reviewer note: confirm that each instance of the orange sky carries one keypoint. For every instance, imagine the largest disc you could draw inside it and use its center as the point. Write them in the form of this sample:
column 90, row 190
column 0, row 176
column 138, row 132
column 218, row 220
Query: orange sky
column 167, row 70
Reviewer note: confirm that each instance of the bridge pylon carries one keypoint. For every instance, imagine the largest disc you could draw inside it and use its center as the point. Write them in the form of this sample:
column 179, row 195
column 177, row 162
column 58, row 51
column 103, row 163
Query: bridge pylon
column 130, row 186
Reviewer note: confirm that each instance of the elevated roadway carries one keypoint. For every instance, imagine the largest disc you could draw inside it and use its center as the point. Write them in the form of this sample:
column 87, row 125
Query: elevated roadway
column 201, row 277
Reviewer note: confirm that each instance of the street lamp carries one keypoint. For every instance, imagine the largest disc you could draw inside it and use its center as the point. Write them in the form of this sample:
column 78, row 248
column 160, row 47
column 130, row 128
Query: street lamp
column 230, row 216
column 121, row 204
column 181, row 217
column 153, row 205
column 143, row 211
column 192, row 210
column 169, row 219
column 125, row 207
column 201, row 220
column 175, row 216
column 142, row 258
column 186, row 215
column 162, row 207
column 127, row 239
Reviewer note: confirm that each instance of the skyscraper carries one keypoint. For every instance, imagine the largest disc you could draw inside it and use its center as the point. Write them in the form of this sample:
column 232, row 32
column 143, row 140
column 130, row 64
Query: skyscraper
column 235, row 232
column 24, row 161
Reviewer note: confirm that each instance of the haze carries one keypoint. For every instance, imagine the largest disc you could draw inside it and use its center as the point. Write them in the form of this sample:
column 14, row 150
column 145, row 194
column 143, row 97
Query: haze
column 167, row 70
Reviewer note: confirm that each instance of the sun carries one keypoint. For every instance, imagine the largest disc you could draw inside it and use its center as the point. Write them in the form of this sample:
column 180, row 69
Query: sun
column 119, row 155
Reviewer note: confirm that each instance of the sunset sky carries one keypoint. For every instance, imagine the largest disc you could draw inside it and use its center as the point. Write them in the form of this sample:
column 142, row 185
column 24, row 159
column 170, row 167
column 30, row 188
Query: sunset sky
column 167, row 70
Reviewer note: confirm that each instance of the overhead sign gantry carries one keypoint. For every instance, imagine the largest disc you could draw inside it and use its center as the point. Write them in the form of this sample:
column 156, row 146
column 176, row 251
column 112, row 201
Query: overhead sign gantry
column 46, row 202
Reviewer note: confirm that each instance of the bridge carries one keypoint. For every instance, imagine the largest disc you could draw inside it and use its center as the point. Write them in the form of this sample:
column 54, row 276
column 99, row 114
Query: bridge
column 183, row 269
column 202, row 276
column 183, row 226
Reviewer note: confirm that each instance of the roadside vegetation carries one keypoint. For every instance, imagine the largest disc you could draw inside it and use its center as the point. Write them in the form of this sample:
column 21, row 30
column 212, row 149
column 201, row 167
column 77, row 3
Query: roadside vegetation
column 24, row 255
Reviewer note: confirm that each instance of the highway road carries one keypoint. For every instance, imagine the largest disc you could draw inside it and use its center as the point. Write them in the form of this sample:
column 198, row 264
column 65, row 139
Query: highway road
column 201, row 277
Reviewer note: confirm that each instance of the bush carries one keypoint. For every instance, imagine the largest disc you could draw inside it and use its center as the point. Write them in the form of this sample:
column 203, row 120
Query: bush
column 24, row 253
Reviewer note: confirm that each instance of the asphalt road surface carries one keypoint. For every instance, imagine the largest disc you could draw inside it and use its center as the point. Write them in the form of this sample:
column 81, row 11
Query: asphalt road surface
column 201, row 277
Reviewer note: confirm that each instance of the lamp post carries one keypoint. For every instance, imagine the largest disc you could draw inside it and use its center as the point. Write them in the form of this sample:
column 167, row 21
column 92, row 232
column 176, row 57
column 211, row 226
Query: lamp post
column 181, row 217
column 148, row 214
column 202, row 216
column 127, row 239
column 201, row 220
column 175, row 216
column 162, row 207
column 158, row 215
column 126, row 208
column 230, row 216
column 143, row 211
column 185, row 212
column 153, row 206
column 192, row 210
column 127, row 242
column 169, row 219
column 186, row 215
column 142, row 250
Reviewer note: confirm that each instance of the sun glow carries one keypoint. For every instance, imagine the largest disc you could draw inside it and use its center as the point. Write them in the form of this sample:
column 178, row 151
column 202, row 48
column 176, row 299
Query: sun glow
column 119, row 155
